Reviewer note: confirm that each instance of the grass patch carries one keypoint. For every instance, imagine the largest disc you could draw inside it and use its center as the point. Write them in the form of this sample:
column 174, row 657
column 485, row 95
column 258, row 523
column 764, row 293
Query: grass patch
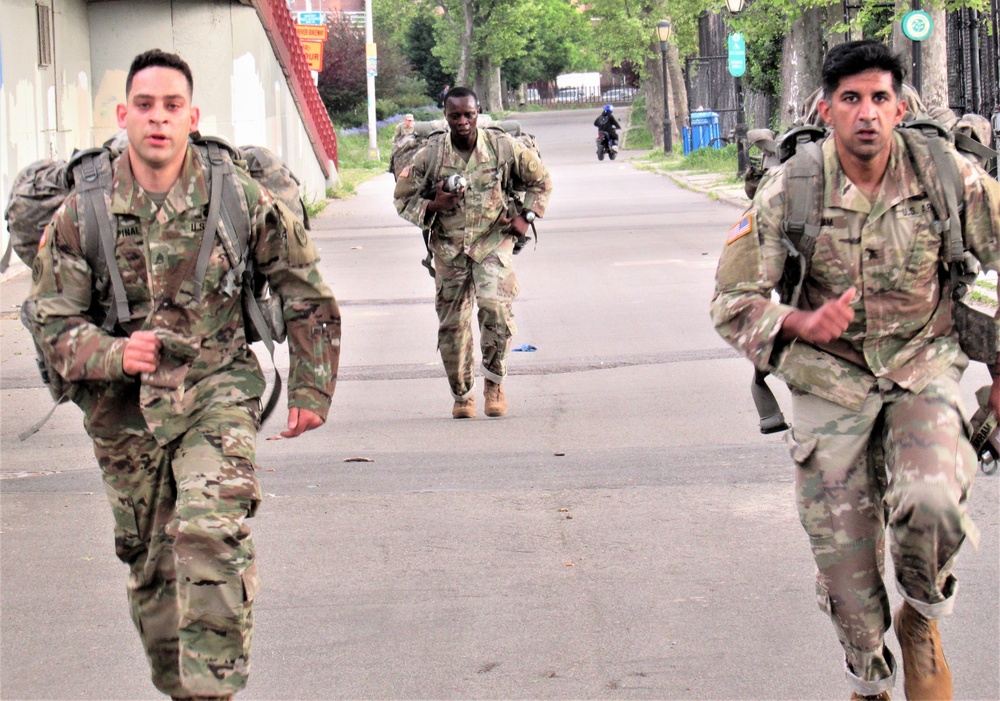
column 637, row 136
column 355, row 165
column 315, row 206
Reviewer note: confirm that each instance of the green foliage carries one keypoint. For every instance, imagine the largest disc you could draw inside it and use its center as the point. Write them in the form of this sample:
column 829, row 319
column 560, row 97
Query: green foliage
column 314, row 206
column 558, row 41
column 637, row 136
column 419, row 44
column 354, row 165
column 711, row 160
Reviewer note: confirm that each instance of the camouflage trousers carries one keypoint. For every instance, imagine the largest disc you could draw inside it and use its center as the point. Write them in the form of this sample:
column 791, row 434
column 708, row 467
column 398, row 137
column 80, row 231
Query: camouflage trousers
column 180, row 514
column 494, row 286
column 903, row 461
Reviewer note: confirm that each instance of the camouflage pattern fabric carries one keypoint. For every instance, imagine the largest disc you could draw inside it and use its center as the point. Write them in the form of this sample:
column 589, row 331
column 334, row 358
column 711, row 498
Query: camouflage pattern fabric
column 180, row 515
column 878, row 437
column 195, row 417
column 476, row 227
column 902, row 328
column 849, row 489
column 472, row 244
column 165, row 242
column 494, row 286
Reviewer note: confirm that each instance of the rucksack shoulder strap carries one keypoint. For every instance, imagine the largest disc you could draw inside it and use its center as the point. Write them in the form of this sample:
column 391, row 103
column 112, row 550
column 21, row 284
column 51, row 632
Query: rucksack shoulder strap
column 939, row 175
column 92, row 176
column 226, row 204
column 803, row 211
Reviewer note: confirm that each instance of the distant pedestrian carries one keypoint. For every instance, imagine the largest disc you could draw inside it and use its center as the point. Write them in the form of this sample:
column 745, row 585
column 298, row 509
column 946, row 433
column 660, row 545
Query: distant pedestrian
column 443, row 95
column 403, row 129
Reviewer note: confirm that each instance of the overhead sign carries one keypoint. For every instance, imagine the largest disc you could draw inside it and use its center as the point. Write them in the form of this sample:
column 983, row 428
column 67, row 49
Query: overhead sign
column 312, row 32
column 314, row 54
column 737, row 55
column 312, row 18
column 917, row 25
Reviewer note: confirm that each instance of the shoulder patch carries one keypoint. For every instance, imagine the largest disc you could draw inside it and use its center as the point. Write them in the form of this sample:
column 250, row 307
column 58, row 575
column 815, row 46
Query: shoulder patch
column 405, row 173
column 741, row 228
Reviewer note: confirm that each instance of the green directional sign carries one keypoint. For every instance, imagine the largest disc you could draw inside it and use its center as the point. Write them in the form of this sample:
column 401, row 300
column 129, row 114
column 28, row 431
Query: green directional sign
column 917, row 25
column 737, row 55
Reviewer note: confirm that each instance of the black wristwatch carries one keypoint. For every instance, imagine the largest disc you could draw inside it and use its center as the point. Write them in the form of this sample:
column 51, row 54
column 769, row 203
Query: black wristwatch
column 528, row 215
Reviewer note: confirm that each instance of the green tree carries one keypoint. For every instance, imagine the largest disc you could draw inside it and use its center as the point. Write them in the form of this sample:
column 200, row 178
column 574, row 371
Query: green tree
column 419, row 44
column 559, row 40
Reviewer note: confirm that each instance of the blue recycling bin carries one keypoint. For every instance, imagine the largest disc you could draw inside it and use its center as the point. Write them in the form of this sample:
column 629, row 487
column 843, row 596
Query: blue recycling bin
column 703, row 131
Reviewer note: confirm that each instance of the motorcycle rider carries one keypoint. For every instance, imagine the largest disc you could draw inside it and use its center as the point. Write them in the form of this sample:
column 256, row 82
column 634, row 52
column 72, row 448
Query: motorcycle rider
column 606, row 122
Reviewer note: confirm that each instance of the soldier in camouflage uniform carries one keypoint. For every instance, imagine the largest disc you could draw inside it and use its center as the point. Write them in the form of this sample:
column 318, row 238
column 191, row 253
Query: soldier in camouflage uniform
column 873, row 364
column 472, row 235
column 172, row 401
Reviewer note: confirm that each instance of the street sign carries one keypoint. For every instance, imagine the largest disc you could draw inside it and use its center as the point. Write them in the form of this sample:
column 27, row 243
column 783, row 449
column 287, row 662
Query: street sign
column 312, row 32
column 737, row 55
column 314, row 54
column 311, row 18
column 917, row 25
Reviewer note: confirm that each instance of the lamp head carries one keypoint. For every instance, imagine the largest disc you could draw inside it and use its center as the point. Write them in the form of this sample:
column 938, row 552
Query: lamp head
column 735, row 6
column 663, row 30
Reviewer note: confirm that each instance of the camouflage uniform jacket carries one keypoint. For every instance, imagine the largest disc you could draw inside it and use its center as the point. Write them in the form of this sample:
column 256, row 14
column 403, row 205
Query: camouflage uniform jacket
column 902, row 327
column 476, row 227
column 205, row 360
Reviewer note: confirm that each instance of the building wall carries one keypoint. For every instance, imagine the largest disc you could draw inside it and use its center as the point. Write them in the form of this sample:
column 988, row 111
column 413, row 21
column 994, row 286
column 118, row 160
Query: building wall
column 47, row 112
column 238, row 83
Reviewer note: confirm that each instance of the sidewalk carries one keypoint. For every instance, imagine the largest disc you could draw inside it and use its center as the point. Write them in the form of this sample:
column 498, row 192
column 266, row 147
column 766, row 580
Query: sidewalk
column 716, row 185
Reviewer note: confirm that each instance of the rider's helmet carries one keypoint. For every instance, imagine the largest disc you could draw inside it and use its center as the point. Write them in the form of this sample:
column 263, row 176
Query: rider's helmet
column 608, row 108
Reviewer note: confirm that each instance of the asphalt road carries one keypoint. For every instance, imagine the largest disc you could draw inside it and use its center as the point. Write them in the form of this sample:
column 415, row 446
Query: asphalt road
column 624, row 533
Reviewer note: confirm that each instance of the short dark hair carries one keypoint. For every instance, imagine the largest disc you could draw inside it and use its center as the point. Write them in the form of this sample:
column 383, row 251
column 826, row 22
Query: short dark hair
column 460, row 92
column 853, row 57
column 156, row 57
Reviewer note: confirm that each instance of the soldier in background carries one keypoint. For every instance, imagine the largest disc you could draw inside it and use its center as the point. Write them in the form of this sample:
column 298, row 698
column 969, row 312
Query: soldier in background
column 873, row 364
column 472, row 232
column 172, row 401
column 403, row 129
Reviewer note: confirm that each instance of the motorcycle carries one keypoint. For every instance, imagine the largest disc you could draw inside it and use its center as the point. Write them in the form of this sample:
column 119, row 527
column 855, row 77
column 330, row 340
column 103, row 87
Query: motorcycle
column 604, row 146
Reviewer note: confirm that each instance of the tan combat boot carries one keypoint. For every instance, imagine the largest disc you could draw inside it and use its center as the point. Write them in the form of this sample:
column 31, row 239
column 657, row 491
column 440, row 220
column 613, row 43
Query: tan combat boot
column 464, row 408
column 881, row 696
column 496, row 403
column 925, row 671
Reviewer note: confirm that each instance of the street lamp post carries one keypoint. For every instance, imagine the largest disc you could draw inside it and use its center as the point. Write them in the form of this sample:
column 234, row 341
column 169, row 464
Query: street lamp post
column 663, row 32
column 735, row 7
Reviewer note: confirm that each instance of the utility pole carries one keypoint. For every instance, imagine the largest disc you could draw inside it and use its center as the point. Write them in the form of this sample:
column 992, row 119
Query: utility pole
column 371, row 68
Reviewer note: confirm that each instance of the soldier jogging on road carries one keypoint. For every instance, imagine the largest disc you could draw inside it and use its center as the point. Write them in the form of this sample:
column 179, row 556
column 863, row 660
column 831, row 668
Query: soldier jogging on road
column 171, row 397
column 472, row 230
column 873, row 361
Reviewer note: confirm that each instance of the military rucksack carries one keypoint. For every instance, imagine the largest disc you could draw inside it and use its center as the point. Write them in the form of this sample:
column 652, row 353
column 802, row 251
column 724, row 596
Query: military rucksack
column 40, row 189
column 800, row 152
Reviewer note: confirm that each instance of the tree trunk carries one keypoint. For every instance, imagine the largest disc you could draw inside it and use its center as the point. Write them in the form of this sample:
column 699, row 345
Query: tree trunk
column 801, row 64
column 933, row 86
column 654, row 95
column 487, row 84
column 465, row 59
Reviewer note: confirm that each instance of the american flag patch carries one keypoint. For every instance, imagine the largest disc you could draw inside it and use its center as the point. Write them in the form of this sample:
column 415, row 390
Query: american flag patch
column 741, row 228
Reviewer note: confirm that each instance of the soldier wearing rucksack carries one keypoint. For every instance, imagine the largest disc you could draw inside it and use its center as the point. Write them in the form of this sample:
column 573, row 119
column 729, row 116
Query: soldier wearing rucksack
column 171, row 390
column 864, row 335
column 461, row 190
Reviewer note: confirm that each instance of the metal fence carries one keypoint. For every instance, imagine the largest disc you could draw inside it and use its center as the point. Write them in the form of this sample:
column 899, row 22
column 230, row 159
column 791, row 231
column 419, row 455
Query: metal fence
column 547, row 94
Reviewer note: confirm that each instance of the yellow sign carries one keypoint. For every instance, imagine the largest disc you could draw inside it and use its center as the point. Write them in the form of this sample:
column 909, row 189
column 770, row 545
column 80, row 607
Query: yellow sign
column 371, row 51
column 311, row 32
column 314, row 54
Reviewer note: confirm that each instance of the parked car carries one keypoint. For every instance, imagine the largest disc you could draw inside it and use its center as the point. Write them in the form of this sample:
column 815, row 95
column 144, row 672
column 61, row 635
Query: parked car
column 568, row 95
column 624, row 94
